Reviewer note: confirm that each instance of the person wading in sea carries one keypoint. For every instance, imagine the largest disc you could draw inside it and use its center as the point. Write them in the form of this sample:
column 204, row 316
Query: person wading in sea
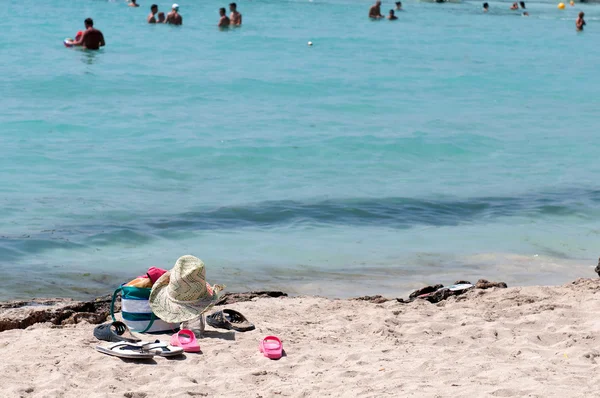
column 224, row 20
column 580, row 23
column 174, row 18
column 91, row 39
column 375, row 11
column 153, row 11
column 235, row 17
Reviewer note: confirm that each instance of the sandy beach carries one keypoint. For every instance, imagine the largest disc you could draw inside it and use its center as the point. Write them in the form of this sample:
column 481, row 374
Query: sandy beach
column 516, row 342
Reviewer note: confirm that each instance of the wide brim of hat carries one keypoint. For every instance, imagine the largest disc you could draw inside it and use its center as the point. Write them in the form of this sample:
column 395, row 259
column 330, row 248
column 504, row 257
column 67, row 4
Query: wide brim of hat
column 171, row 311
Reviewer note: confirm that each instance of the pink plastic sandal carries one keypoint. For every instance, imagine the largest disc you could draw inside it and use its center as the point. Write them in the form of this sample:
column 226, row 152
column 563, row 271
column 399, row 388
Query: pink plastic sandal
column 185, row 339
column 271, row 347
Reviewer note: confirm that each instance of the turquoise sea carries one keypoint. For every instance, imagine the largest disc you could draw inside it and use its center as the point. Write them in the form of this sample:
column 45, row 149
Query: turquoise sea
column 448, row 144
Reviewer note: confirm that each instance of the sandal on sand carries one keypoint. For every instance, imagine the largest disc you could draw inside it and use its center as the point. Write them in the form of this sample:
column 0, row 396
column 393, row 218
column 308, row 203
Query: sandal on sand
column 160, row 349
column 114, row 332
column 229, row 319
column 123, row 349
column 460, row 287
column 185, row 339
column 271, row 347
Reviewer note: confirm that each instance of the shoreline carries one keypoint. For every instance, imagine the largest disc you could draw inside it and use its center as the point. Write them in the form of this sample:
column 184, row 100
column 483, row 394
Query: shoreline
column 535, row 341
column 346, row 282
column 61, row 311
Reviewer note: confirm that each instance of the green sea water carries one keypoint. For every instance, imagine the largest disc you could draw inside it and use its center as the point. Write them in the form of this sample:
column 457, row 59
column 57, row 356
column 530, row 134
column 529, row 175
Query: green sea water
column 449, row 144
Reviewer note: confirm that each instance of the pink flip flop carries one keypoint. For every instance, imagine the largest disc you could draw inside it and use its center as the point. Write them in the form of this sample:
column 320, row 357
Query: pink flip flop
column 185, row 339
column 271, row 347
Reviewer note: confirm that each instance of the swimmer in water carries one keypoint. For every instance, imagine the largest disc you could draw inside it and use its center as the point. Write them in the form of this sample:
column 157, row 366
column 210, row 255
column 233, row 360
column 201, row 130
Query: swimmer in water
column 152, row 15
column 375, row 11
column 133, row 3
column 486, row 7
column 525, row 14
column 224, row 20
column 398, row 6
column 392, row 17
column 522, row 3
column 514, row 6
column 174, row 18
column 161, row 17
column 235, row 17
column 91, row 39
column 580, row 23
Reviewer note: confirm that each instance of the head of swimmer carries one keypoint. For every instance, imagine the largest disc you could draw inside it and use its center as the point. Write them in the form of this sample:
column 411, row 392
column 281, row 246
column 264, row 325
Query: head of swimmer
column 154, row 9
column 391, row 13
column 398, row 5
column 89, row 23
column 581, row 14
column 161, row 17
column 522, row 3
column 486, row 6
column 222, row 11
column 232, row 7
column 378, row 3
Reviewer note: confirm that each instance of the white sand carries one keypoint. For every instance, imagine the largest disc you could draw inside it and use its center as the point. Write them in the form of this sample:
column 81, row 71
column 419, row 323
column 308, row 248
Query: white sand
column 516, row 342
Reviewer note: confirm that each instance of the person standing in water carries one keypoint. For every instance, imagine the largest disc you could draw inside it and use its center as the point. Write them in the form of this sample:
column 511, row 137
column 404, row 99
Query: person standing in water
column 392, row 17
column 152, row 15
column 398, row 6
column 235, row 17
column 522, row 3
column 580, row 22
column 486, row 7
column 174, row 18
column 133, row 3
column 161, row 17
column 375, row 11
column 224, row 20
column 514, row 6
column 91, row 39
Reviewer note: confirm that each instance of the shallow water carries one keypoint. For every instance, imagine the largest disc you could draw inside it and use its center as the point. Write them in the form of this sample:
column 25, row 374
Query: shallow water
column 448, row 144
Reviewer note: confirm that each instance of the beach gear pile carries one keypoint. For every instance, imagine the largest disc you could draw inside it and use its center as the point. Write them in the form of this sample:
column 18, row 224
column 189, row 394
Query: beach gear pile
column 171, row 301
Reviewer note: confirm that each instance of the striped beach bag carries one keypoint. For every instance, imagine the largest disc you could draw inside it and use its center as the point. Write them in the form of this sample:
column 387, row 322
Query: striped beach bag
column 136, row 311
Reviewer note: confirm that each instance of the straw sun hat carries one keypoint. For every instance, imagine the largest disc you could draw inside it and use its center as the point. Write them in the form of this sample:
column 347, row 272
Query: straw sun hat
column 182, row 293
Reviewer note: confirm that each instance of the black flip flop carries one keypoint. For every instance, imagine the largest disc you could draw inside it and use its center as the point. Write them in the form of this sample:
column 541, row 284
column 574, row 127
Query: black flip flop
column 114, row 332
column 230, row 320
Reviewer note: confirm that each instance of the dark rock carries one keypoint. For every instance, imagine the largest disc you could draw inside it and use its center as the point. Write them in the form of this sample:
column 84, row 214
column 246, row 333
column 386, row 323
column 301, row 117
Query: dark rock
column 372, row 299
column 485, row 284
column 462, row 283
column 439, row 295
column 64, row 311
column 425, row 290
column 230, row 298
column 597, row 269
column 22, row 314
